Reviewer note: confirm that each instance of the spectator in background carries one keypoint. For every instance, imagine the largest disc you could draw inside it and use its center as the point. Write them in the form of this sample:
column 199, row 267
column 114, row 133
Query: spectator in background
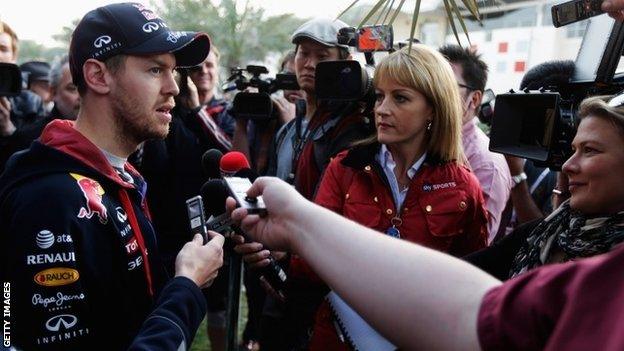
column 256, row 138
column 37, row 74
column 489, row 167
column 19, row 111
column 63, row 91
column 205, row 78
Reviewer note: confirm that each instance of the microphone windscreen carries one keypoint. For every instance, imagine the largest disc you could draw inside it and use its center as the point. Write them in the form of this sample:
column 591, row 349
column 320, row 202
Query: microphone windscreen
column 210, row 163
column 232, row 162
column 214, row 192
column 247, row 173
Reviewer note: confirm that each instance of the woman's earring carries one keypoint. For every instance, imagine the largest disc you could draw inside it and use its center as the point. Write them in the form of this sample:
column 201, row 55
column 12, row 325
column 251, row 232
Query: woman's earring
column 428, row 125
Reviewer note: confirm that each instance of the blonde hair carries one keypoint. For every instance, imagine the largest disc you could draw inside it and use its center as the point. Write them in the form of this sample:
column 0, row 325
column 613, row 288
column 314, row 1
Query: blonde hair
column 598, row 106
column 5, row 28
column 428, row 72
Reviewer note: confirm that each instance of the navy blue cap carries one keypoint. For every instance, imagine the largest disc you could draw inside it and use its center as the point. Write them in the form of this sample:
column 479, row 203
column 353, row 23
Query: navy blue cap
column 132, row 29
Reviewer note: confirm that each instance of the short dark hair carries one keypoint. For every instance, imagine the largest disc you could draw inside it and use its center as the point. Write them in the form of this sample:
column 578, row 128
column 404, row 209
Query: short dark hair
column 343, row 53
column 548, row 74
column 474, row 70
column 113, row 64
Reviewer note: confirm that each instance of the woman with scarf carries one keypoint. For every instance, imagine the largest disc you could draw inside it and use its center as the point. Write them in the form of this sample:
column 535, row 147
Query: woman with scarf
column 591, row 221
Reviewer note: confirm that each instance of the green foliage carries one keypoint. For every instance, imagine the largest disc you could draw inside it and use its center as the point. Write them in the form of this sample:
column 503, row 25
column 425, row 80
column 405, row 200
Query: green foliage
column 66, row 32
column 240, row 31
column 31, row 51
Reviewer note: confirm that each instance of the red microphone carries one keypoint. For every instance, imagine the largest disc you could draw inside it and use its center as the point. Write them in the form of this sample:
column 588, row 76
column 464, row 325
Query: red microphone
column 232, row 162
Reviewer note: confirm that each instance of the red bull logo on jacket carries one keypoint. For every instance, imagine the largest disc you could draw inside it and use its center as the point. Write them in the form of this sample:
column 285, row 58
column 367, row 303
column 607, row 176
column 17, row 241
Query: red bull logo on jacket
column 92, row 192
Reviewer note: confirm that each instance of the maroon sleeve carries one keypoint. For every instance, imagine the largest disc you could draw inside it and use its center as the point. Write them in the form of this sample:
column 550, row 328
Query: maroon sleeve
column 571, row 306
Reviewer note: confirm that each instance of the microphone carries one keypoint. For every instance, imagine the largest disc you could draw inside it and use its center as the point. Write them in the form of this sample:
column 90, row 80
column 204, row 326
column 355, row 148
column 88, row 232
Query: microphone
column 272, row 276
column 210, row 161
column 232, row 162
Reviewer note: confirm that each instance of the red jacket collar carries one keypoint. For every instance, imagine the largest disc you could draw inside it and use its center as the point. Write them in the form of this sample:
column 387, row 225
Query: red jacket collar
column 61, row 135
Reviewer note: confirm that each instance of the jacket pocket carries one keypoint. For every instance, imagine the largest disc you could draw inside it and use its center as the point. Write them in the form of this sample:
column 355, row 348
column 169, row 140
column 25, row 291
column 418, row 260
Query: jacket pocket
column 445, row 212
column 367, row 214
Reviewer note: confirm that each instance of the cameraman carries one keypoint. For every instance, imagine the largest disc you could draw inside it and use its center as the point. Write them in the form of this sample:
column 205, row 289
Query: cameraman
column 303, row 148
column 531, row 198
column 16, row 112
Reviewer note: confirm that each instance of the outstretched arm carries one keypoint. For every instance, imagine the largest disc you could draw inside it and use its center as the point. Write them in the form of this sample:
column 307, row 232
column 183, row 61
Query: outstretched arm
column 419, row 298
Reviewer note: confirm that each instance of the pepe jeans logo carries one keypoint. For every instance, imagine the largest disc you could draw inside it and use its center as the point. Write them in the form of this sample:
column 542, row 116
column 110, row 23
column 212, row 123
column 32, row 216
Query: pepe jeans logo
column 101, row 41
column 66, row 321
column 150, row 27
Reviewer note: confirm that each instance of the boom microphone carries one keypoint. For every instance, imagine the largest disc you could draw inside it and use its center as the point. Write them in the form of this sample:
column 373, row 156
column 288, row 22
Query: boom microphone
column 211, row 160
column 232, row 162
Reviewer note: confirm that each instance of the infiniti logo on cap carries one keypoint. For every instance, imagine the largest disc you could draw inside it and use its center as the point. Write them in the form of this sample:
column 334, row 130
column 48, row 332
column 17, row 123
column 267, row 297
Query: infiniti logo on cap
column 150, row 27
column 101, row 41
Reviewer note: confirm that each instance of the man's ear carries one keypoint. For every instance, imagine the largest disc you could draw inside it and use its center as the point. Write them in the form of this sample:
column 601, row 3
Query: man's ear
column 477, row 96
column 97, row 76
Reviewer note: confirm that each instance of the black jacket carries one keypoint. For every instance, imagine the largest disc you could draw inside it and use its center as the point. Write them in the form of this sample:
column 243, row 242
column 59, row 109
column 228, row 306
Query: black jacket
column 498, row 258
column 79, row 252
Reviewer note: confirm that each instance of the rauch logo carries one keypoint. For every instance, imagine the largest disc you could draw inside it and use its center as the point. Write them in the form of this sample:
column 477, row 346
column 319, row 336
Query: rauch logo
column 56, row 276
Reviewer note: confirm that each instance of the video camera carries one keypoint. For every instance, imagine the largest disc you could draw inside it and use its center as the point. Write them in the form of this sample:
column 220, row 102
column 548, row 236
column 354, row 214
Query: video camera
column 347, row 80
column 539, row 125
column 10, row 79
column 257, row 105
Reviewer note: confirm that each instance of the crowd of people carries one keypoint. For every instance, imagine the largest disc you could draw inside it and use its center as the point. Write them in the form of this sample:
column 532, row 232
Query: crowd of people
column 396, row 225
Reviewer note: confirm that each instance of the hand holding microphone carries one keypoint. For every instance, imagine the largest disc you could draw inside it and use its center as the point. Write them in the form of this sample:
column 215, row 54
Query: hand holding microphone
column 237, row 177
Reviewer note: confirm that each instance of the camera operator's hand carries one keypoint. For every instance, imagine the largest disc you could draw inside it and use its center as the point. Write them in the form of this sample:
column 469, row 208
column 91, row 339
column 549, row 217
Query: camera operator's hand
column 285, row 109
column 283, row 203
column 7, row 127
column 254, row 253
column 294, row 95
column 615, row 8
column 199, row 262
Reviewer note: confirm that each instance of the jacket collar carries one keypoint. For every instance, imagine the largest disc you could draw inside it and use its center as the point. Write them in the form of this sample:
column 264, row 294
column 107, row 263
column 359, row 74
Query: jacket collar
column 62, row 136
column 363, row 155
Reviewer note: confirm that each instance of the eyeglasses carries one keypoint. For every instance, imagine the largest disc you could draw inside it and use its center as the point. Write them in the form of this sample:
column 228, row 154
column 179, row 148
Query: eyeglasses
column 466, row 86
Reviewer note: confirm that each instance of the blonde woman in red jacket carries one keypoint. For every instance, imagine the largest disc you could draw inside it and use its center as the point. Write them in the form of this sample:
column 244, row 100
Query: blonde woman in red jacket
column 410, row 181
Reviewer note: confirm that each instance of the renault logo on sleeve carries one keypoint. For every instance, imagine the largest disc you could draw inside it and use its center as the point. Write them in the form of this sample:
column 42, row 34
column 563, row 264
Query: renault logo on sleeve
column 65, row 321
column 150, row 27
column 101, row 41
column 45, row 239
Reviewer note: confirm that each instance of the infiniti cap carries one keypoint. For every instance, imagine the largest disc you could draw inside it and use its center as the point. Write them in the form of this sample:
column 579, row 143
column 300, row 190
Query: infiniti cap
column 131, row 28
